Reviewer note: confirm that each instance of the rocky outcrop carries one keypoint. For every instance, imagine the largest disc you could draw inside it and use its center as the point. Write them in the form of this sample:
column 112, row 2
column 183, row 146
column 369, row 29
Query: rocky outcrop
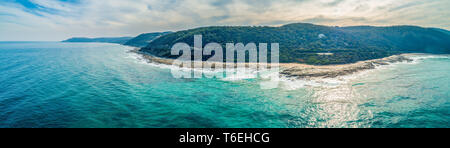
column 301, row 71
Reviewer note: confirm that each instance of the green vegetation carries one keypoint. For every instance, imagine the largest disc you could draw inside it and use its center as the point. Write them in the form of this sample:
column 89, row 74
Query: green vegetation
column 141, row 40
column 144, row 39
column 300, row 42
column 442, row 30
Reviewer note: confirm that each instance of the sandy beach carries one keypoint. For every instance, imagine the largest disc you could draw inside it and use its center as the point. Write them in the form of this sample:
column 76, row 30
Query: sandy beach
column 299, row 71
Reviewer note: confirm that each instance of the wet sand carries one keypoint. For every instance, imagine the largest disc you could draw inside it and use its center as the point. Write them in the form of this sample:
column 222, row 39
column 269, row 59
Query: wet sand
column 296, row 70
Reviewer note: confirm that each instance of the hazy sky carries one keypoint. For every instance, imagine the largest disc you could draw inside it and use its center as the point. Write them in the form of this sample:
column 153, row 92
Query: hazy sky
column 44, row 20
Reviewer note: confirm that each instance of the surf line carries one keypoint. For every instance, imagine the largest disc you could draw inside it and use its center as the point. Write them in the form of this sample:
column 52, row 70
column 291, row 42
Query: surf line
column 196, row 138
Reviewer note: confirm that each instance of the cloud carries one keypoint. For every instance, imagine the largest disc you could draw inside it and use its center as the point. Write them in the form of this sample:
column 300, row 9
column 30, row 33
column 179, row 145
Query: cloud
column 334, row 3
column 60, row 19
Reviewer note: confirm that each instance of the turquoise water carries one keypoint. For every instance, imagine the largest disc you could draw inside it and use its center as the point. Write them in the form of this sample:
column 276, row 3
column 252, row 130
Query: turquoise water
column 44, row 84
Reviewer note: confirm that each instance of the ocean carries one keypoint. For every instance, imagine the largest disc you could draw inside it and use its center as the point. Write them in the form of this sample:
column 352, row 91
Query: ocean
column 52, row 84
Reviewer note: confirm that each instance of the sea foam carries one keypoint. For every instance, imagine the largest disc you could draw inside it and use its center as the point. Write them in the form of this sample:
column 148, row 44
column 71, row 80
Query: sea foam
column 286, row 83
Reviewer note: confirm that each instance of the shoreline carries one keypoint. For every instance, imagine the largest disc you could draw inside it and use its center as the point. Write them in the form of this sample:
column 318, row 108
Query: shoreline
column 303, row 71
column 295, row 70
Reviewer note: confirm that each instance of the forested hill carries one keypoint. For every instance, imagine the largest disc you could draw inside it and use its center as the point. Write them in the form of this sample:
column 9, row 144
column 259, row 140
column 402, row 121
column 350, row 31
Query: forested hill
column 141, row 40
column 442, row 30
column 117, row 40
column 144, row 39
column 301, row 42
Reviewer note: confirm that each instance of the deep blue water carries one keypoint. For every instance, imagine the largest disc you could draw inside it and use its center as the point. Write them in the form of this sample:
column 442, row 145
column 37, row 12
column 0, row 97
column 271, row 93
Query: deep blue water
column 45, row 84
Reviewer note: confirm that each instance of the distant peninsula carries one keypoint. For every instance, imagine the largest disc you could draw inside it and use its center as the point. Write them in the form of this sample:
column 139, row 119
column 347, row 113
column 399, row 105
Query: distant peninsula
column 140, row 41
column 116, row 40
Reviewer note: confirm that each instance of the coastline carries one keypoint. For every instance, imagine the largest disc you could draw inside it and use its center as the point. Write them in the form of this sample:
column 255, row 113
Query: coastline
column 302, row 71
column 295, row 70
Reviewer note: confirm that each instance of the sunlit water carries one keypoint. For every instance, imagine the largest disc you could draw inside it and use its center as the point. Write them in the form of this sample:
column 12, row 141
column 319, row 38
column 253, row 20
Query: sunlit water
column 101, row 85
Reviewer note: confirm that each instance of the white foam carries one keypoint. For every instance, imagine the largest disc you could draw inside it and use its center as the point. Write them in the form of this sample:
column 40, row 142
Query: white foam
column 289, row 83
column 236, row 74
column 293, row 84
column 340, row 81
column 420, row 57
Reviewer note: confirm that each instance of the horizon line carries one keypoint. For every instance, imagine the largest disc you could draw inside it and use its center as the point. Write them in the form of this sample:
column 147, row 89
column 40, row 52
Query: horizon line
column 279, row 25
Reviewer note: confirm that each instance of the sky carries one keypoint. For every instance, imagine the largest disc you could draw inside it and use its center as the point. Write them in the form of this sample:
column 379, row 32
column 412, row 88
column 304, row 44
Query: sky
column 55, row 20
